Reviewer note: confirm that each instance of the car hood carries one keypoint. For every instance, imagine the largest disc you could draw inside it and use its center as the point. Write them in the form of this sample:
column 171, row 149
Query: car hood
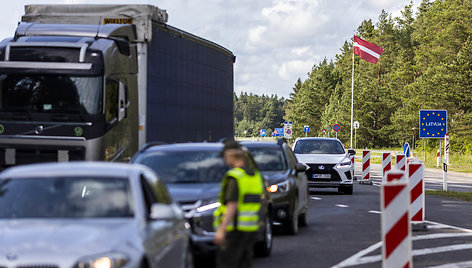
column 274, row 177
column 68, row 239
column 321, row 158
column 191, row 192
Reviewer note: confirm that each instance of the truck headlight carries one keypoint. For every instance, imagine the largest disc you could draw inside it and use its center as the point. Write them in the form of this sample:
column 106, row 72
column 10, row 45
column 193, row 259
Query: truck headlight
column 111, row 260
column 279, row 187
column 345, row 164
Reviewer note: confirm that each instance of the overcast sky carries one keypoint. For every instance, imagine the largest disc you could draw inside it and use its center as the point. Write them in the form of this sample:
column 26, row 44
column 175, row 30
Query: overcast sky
column 275, row 41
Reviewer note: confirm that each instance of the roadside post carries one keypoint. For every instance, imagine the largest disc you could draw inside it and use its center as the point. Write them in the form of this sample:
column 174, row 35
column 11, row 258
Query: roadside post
column 353, row 161
column 417, row 195
column 446, row 147
column 365, row 177
column 306, row 129
column 444, row 174
column 356, row 126
column 395, row 221
column 386, row 164
column 437, row 158
column 400, row 162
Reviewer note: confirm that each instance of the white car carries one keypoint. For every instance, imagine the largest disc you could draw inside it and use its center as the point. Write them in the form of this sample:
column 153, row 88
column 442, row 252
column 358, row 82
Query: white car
column 329, row 165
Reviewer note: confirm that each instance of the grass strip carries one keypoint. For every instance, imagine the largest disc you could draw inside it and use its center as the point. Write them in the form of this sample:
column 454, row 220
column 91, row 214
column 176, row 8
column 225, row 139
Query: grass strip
column 464, row 196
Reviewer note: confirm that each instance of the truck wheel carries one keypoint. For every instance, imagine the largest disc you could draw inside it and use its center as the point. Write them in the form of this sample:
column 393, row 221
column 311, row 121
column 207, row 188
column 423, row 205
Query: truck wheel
column 264, row 248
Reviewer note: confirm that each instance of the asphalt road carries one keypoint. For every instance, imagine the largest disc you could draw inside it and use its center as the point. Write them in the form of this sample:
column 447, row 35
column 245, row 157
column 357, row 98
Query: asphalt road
column 344, row 231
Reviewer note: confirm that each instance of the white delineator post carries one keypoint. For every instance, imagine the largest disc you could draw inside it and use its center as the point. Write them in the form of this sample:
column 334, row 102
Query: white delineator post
column 417, row 196
column 395, row 221
column 386, row 164
column 444, row 174
column 446, row 148
column 400, row 161
column 365, row 178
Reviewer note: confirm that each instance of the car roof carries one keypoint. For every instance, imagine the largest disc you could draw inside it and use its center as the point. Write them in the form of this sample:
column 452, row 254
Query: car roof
column 190, row 146
column 105, row 169
column 318, row 138
column 267, row 144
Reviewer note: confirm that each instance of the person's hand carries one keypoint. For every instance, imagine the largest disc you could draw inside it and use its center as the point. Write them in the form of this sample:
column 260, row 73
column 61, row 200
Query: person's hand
column 219, row 237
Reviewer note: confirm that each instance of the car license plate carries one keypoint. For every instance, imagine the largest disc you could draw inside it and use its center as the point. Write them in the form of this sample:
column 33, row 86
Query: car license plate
column 321, row 176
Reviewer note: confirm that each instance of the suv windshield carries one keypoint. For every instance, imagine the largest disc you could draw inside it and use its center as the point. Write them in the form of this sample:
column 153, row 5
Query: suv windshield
column 185, row 166
column 268, row 159
column 318, row 147
column 65, row 197
column 46, row 93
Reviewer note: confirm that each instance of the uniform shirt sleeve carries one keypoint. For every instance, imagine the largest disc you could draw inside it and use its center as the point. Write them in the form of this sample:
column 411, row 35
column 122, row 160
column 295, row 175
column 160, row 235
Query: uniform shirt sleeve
column 231, row 191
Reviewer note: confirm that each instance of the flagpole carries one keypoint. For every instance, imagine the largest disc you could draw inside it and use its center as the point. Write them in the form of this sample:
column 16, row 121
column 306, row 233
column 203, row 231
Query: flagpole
column 352, row 92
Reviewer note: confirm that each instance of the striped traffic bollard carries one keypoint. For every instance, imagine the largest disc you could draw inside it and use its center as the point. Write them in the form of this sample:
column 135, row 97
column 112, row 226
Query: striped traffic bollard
column 416, row 180
column 365, row 177
column 395, row 218
column 353, row 161
column 386, row 164
column 400, row 161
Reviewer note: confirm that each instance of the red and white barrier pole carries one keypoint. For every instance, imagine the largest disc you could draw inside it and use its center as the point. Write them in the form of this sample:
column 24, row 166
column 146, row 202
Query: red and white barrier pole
column 353, row 161
column 365, row 177
column 400, row 162
column 386, row 164
column 446, row 148
column 395, row 218
column 417, row 196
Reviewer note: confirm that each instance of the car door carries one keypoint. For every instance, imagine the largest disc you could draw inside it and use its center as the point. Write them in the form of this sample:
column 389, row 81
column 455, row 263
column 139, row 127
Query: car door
column 160, row 241
column 300, row 178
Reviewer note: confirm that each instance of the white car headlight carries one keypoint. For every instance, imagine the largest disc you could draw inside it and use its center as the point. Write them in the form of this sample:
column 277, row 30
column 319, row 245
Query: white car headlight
column 345, row 164
column 111, row 260
column 209, row 206
column 280, row 187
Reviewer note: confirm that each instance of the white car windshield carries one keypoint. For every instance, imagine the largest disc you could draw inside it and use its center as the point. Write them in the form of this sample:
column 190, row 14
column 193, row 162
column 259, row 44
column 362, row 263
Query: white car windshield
column 318, row 147
column 65, row 197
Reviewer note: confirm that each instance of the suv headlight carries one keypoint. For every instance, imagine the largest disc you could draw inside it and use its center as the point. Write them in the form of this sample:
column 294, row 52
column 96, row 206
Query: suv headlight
column 111, row 260
column 280, row 187
column 344, row 164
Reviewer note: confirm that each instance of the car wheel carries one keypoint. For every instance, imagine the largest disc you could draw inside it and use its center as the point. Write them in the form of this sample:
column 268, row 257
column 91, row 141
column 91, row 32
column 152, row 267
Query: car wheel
column 303, row 219
column 264, row 248
column 292, row 224
column 345, row 189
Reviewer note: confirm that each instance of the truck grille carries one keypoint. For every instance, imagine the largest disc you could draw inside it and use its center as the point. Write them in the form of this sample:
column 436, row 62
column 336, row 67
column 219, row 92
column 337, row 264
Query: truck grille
column 21, row 155
column 327, row 169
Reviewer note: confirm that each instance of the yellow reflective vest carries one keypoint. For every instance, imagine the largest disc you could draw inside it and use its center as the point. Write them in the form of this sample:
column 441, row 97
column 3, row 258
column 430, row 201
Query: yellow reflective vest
column 250, row 190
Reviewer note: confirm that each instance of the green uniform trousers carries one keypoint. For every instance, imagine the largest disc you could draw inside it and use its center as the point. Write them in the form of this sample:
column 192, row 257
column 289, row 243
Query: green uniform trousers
column 236, row 251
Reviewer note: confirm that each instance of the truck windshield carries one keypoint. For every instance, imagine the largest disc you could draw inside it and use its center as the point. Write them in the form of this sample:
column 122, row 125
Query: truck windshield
column 50, row 93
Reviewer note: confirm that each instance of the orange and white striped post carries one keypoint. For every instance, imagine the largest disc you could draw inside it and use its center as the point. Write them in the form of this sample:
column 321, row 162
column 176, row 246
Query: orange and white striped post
column 400, row 161
column 395, row 220
column 365, row 177
column 386, row 164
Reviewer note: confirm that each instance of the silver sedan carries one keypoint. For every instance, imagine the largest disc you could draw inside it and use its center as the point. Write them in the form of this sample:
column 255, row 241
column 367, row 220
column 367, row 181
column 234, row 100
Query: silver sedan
column 87, row 215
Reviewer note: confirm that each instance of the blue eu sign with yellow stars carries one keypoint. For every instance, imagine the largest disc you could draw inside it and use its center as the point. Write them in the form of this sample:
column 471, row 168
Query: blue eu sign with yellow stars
column 433, row 123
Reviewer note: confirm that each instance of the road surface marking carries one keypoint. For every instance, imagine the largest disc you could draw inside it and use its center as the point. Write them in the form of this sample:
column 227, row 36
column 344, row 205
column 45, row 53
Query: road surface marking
column 341, row 206
column 374, row 212
column 455, row 265
column 358, row 259
column 315, row 198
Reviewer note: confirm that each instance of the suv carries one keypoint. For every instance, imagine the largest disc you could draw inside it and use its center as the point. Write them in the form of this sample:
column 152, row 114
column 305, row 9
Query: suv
column 328, row 163
column 287, row 180
column 193, row 173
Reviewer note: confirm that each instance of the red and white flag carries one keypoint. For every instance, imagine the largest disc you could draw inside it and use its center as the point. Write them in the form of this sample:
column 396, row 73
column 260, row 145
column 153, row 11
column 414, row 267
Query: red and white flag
column 368, row 51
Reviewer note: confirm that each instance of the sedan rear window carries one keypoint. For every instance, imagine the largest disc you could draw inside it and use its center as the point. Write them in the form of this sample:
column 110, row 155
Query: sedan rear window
column 318, row 147
column 65, row 197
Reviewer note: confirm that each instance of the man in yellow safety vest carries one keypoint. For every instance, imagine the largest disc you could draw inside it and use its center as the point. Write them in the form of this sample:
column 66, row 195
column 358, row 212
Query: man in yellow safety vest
column 236, row 221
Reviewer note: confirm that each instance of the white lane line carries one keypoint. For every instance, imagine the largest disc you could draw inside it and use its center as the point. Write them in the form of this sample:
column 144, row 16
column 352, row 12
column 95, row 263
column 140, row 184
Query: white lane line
column 357, row 258
column 341, row 206
column 315, row 198
column 374, row 212
column 455, row 265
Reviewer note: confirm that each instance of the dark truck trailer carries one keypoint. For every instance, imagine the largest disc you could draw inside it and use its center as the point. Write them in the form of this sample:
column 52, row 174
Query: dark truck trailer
column 96, row 82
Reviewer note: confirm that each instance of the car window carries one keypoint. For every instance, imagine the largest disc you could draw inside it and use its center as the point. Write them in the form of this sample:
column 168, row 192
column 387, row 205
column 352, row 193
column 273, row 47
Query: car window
column 185, row 166
column 159, row 190
column 269, row 159
column 318, row 147
column 291, row 156
column 65, row 197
